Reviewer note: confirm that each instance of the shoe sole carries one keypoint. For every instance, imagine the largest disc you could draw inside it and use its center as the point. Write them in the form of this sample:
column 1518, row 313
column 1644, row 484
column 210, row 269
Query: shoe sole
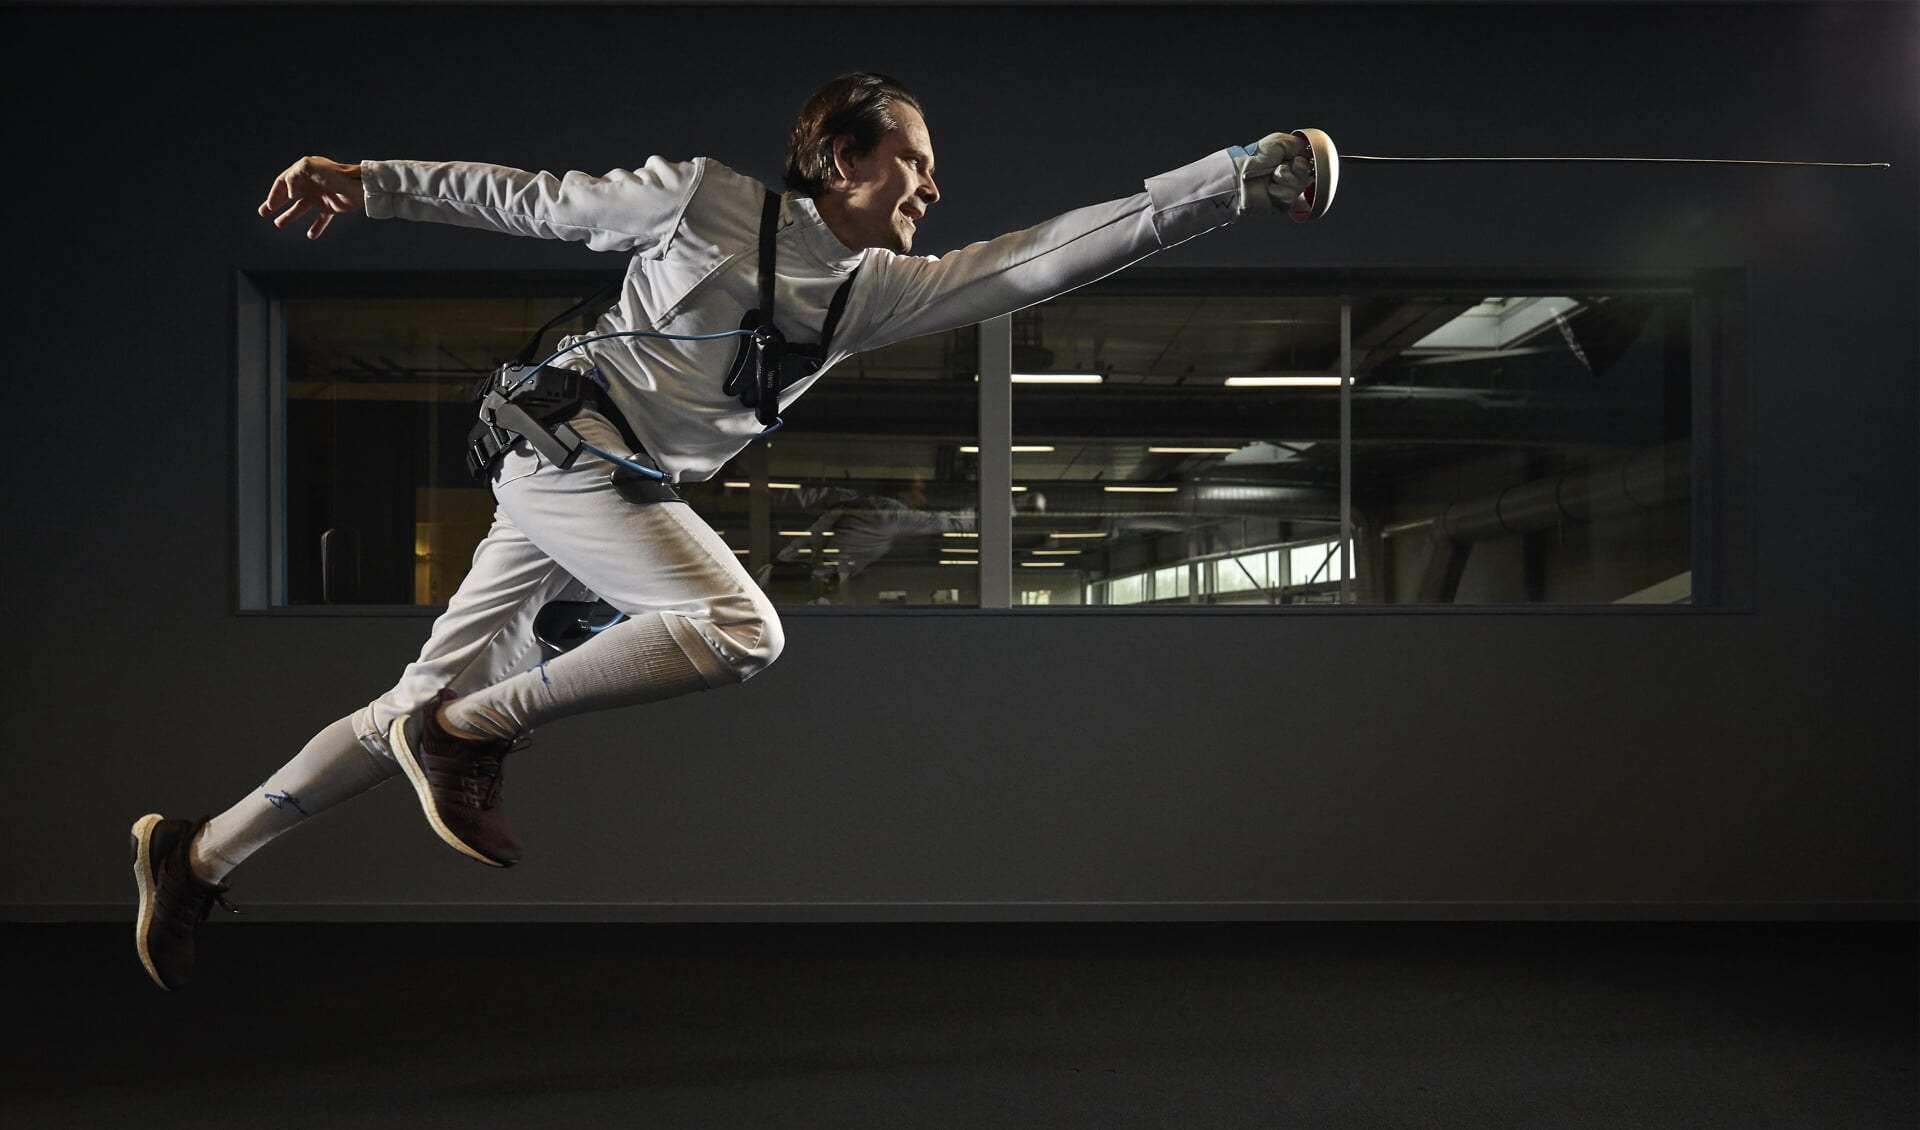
column 143, row 876
column 417, row 774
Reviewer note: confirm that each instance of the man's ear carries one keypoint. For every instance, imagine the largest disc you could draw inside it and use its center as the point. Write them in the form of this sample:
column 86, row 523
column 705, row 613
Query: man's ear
column 843, row 157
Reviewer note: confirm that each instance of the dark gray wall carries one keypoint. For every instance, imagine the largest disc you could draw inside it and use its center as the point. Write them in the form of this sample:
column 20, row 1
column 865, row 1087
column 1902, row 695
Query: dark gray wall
column 1311, row 763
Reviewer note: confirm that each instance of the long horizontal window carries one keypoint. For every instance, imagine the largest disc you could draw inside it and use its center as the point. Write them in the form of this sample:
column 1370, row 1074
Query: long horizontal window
column 1201, row 439
column 1440, row 445
column 361, row 497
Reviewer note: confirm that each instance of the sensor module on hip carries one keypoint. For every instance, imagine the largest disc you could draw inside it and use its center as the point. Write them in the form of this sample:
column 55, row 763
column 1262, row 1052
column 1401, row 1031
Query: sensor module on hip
column 583, row 445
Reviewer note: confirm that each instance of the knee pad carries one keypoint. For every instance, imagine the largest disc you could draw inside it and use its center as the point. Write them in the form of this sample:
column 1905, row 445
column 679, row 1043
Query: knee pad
column 740, row 638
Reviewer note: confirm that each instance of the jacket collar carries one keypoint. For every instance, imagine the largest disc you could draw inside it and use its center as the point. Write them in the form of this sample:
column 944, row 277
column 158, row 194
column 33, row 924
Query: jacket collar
column 820, row 239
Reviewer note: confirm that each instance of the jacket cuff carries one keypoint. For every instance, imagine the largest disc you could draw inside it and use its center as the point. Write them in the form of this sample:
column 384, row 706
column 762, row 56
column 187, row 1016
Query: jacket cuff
column 378, row 181
column 1195, row 198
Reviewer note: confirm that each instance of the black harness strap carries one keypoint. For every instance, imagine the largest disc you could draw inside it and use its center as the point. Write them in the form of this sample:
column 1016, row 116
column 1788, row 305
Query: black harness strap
column 776, row 364
column 770, row 345
column 517, row 401
column 535, row 405
column 525, row 356
column 834, row 309
column 769, row 227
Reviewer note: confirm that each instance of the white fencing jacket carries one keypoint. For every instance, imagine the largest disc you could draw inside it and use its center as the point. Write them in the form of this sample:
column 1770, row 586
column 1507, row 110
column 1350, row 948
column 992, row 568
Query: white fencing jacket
column 693, row 228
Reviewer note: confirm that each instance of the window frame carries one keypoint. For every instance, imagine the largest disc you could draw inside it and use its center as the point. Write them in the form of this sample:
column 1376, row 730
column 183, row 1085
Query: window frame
column 1721, row 529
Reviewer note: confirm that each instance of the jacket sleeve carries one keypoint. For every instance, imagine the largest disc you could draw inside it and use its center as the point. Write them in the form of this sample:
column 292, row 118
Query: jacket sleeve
column 912, row 295
column 622, row 211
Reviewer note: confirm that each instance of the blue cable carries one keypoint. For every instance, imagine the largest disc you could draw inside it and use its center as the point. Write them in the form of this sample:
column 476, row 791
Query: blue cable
column 631, row 333
column 629, row 464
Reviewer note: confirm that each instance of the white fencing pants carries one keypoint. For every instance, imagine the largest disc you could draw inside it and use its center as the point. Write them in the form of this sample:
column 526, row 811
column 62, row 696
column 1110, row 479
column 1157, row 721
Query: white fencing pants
column 564, row 534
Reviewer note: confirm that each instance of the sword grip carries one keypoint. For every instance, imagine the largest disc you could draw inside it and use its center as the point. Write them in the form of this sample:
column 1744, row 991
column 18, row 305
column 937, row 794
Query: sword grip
column 1325, row 159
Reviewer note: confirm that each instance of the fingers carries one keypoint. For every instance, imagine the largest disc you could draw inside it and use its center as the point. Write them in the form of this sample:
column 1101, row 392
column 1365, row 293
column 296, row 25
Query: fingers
column 291, row 187
column 300, row 208
column 279, row 194
column 305, row 187
column 1281, row 147
column 1289, row 181
column 1291, row 173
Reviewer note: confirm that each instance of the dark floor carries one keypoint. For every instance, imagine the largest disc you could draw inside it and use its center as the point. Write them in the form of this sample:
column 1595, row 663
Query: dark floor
column 1745, row 1026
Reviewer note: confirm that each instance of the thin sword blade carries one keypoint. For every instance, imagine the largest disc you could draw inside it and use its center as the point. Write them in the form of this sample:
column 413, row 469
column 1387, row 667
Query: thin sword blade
column 1632, row 160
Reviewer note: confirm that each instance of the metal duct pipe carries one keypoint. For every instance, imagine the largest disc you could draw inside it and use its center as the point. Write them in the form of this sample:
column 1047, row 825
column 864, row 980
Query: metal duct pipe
column 1195, row 500
column 1650, row 479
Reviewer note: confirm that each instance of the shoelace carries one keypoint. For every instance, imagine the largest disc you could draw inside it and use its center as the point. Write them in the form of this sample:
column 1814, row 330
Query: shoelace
column 195, row 905
column 482, row 783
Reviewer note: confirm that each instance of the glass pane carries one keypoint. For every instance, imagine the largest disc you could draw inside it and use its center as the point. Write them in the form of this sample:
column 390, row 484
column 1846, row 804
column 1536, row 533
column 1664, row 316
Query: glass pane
column 1127, row 590
column 380, row 508
column 1242, row 572
column 1531, row 449
column 868, row 499
column 1506, row 449
column 847, row 504
column 1164, row 436
column 1319, row 564
column 1170, row 583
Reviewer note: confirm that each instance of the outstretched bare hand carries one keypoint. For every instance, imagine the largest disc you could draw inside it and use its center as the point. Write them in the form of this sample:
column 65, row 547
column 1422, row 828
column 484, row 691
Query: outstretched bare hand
column 315, row 183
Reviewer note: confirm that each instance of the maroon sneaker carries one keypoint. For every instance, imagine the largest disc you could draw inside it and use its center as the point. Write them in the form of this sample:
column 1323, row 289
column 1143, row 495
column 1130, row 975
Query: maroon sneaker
column 459, row 784
column 173, row 900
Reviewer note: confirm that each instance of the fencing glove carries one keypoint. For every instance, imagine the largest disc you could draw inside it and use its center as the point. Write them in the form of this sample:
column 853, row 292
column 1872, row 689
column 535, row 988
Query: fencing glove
column 1273, row 173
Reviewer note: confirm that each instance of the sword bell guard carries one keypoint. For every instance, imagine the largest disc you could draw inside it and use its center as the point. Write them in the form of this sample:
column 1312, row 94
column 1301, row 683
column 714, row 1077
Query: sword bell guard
column 1318, row 197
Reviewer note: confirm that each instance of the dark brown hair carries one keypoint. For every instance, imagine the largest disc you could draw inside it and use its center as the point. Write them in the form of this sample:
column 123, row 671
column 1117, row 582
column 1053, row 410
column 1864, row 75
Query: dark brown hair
column 857, row 106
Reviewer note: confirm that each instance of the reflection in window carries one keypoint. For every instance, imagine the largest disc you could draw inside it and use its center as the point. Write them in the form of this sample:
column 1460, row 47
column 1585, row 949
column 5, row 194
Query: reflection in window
column 1293, row 574
column 1310, row 565
column 867, row 500
column 1176, row 478
column 846, row 505
column 1532, row 449
column 1506, row 449
column 379, row 506
column 1178, row 441
column 1257, row 572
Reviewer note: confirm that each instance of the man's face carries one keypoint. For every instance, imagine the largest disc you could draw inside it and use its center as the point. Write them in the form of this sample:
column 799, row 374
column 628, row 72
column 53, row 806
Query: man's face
column 890, row 188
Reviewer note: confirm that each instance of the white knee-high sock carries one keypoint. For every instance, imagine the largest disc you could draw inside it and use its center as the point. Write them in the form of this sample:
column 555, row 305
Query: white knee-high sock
column 634, row 661
column 333, row 767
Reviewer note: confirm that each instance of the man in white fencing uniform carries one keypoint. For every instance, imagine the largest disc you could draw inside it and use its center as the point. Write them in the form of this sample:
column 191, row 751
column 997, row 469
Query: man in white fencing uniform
column 647, row 412
column 864, row 528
